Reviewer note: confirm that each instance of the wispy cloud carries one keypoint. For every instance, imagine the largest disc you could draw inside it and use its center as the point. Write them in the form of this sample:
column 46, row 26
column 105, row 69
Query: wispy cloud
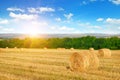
column 89, row 25
column 58, row 19
column 117, row 2
column 66, row 28
column 46, row 9
column 40, row 10
column 85, row 2
column 15, row 9
column 8, row 29
column 4, row 21
column 63, row 29
column 4, row 29
column 23, row 16
column 100, row 19
column 111, row 25
column 68, row 16
column 113, row 21
column 33, row 10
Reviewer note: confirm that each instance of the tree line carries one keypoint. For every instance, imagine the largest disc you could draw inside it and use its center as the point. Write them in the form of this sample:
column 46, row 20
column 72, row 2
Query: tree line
column 77, row 43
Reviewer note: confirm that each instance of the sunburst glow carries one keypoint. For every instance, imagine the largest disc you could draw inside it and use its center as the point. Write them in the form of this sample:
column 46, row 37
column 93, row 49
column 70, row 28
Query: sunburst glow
column 32, row 31
column 33, row 34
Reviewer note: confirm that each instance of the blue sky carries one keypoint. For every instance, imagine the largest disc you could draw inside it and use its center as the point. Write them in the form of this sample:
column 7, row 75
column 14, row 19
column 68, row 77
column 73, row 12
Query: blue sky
column 60, row 16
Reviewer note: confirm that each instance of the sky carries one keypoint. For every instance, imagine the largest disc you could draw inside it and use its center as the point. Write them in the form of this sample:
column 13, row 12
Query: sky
column 60, row 16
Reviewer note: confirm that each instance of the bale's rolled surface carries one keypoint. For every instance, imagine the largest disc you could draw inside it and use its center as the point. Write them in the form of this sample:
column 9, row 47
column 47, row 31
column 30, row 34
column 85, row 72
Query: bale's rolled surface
column 93, row 59
column 83, row 60
column 78, row 62
column 104, row 53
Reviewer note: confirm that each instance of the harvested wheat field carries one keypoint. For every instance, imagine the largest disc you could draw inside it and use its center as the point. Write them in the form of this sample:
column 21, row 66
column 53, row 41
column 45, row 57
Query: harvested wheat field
column 50, row 64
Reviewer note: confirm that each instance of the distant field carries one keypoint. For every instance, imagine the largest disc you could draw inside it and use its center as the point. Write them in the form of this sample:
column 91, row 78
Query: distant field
column 50, row 64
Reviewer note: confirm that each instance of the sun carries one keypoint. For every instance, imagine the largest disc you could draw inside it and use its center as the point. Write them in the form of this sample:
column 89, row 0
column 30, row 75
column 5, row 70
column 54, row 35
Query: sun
column 32, row 32
column 33, row 35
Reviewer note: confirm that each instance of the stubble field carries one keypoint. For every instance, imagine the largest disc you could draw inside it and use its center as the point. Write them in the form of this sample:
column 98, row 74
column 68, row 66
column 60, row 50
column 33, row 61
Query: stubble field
column 50, row 64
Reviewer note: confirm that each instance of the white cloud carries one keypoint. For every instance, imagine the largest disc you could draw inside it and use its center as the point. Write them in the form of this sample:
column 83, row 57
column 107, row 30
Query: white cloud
column 88, row 25
column 8, row 29
column 15, row 9
column 32, row 10
column 68, row 16
column 46, row 9
column 66, row 28
column 117, row 2
column 5, row 21
column 62, row 28
column 40, row 10
column 23, row 16
column 58, row 19
column 100, row 19
column 93, row 27
column 113, row 21
column 85, row 2
column 4, row 29
column 112, row 24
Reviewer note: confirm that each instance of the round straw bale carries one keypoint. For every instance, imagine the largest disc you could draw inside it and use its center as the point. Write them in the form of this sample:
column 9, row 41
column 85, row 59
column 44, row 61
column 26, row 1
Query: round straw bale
column 91, row 49
column 71, row 48
column 104, row 53
column 93, row 59
column 45, row 48
column 78, row 62
column 15, row 47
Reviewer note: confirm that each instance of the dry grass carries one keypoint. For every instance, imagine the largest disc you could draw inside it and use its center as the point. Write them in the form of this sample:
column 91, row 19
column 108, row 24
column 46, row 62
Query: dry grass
column 60, row 48
column 50, row 64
